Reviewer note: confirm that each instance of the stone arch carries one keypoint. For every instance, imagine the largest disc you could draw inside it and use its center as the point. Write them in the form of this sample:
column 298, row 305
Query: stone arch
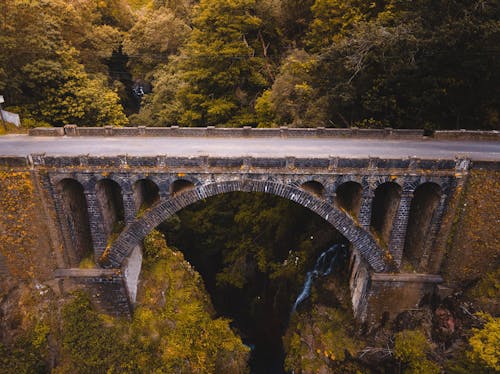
column 146, row 193
column 362, row 241
column 110, row 197
column 314, row 187
column 425, row 201
column 385, row 205
column 348, row 197
column 76, row 216
column 181, row 185
column 123, row 183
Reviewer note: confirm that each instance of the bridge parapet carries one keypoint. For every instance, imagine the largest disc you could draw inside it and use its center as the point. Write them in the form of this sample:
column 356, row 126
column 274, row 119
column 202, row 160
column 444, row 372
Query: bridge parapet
column 250, row 132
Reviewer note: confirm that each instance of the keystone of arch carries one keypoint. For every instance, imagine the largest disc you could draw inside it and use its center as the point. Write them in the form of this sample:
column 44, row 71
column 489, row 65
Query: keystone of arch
column 135, row 232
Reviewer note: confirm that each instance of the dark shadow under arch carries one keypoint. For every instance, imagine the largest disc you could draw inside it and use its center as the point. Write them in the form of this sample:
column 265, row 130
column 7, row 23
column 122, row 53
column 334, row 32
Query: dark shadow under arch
column 384, row 208
column 314, row 187
column 423, row 207
column 348, row 197
column 76, row 214
column 134, row 233
column 146, row 193
column 110, row 197
column 180, row 185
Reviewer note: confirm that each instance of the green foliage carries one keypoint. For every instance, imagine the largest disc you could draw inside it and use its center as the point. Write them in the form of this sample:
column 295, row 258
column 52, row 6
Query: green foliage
column 154, row 247
column 256, row 234
column 319, row 339
column 333, row 19
column 22, row 357
column 411, row 348
column 221, row 65
column 44, row 47
column 485, row 342
column 172, row 329
column 157, row 34
column 174, row 320
column 212, row 62
column 293, row 99
column 87, row 345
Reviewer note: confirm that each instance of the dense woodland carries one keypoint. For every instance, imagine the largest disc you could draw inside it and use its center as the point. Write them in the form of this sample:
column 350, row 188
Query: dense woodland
column 302, row 63
column 266, row 63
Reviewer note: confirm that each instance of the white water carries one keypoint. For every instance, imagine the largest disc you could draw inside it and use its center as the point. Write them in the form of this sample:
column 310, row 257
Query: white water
column 323, row 267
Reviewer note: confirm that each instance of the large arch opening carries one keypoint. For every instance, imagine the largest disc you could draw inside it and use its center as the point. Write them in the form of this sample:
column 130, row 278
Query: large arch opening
column 125, row 251
column 109, row 195
column 348, row 197
column 76, row 215
column 253, row 251
column 146, row 193
column 385, row 206
column 423, row 206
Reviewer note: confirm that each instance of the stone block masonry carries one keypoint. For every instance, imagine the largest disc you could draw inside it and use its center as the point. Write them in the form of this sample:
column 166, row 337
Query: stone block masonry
column 287, row 177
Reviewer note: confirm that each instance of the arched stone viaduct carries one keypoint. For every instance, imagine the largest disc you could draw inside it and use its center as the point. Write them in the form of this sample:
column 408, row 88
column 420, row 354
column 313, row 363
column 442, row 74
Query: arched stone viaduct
column 394, row 212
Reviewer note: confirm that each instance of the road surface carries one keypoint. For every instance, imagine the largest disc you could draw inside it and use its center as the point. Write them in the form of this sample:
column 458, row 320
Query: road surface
column 22, row 145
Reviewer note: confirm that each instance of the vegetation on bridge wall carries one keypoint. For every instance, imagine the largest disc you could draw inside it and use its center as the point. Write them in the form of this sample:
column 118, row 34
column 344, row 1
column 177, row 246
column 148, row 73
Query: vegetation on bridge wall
column 23, row 233
column 473, row 256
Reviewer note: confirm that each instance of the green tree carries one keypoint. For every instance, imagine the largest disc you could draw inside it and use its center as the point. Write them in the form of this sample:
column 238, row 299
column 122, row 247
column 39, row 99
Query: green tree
column 157, row 34
column 62, row 93
column 222, row 65
column 45, row 77
column 293, row 99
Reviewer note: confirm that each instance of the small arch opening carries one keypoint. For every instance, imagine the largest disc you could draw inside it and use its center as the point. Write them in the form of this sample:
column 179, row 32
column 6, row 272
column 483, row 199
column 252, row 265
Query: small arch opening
column 384, row 208
column 76, row 215
column 109, row 195
column 314, row 188
column 146, row 194
column 348, row 197
column 423, row 206
column 180, row 185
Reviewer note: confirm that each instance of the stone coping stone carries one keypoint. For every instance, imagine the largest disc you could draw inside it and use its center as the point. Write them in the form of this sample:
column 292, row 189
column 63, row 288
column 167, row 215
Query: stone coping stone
column 86, row 273
column 406, row 277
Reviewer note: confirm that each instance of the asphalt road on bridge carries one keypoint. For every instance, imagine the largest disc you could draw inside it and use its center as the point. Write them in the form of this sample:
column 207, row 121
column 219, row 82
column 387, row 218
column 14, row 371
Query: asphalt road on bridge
column 23, row 145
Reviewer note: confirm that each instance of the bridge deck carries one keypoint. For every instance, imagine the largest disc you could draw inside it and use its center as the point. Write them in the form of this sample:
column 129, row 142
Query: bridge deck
column 23, row 145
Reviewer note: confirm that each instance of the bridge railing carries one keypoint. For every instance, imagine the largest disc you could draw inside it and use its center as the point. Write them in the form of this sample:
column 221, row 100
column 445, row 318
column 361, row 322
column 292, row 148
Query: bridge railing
column 250, row 132
column 210, row 131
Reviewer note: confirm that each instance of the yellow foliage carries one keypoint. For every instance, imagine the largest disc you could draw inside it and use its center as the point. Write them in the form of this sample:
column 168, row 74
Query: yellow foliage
column 18, row 210
column 485, row 343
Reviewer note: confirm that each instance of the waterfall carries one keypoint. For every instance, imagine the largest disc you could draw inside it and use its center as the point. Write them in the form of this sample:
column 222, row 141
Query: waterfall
column 323, row 267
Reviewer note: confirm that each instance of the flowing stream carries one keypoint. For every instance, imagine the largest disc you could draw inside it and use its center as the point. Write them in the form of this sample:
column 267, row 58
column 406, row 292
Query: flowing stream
column 323, row 267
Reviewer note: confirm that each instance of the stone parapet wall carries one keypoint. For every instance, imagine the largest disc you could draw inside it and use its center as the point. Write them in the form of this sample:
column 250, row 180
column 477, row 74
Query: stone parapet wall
column 47, row 131
column 250, row 132
column 466, row 135
column 220, row 132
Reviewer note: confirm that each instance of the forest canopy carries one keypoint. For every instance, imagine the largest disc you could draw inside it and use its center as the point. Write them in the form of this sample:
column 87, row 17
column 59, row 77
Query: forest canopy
column 267, row 63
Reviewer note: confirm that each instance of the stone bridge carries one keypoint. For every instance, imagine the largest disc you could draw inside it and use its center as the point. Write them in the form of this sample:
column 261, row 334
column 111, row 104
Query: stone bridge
column 394, row 212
